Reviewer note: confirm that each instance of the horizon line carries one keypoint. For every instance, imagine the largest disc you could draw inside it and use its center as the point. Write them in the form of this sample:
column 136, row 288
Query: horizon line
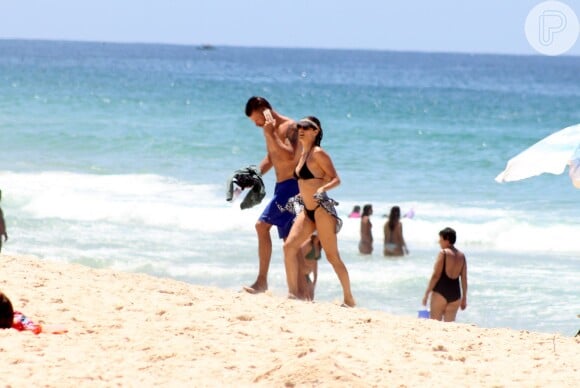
column 218, row 45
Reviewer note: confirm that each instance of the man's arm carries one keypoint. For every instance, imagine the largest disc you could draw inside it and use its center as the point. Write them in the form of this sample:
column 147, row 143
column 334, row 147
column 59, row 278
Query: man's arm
column 265, row 165
column 275, row 144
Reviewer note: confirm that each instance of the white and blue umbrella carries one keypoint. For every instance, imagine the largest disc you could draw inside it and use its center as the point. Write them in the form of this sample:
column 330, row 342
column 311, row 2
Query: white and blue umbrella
column 550, row 155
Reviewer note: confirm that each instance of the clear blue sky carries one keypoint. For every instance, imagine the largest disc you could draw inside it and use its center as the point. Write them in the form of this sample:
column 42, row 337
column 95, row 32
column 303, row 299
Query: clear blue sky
column 473, row 26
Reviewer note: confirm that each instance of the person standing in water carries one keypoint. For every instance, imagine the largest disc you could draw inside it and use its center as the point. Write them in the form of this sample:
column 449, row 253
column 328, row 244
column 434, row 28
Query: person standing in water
column 365, row 246
column 444, row 286
column 394, row 243
column 355, row 213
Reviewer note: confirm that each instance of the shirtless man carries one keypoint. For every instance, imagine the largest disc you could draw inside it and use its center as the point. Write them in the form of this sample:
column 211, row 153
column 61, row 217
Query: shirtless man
column 282, row 153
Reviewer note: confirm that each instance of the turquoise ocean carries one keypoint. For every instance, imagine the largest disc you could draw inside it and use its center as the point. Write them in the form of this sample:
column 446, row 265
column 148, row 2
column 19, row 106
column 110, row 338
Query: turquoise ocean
column 117, row 156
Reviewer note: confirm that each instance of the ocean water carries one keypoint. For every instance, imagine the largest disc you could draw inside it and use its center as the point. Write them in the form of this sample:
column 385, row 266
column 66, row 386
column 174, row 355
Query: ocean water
column 117, row 156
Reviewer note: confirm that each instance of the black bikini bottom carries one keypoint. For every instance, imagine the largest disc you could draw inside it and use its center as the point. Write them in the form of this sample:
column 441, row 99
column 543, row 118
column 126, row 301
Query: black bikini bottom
column 310, row 213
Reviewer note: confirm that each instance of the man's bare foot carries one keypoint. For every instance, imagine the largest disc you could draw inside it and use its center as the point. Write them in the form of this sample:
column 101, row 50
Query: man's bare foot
column 255, row 288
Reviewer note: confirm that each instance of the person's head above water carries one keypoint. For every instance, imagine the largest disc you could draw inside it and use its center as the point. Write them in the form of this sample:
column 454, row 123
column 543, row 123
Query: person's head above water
column 367, row 210
column 448, row 234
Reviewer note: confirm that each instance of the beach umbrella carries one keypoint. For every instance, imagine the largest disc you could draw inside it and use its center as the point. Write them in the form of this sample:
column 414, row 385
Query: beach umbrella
column 550, row 155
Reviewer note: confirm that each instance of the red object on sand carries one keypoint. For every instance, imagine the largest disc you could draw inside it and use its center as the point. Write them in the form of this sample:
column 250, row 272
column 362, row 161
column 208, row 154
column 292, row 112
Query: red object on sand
column 21, row 323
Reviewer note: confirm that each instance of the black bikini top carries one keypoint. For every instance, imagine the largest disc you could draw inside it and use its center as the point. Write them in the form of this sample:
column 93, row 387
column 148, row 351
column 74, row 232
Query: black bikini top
column 304, row 173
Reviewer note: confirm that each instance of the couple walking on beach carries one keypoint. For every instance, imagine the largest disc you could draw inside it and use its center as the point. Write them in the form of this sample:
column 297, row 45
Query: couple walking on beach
column 304, row 173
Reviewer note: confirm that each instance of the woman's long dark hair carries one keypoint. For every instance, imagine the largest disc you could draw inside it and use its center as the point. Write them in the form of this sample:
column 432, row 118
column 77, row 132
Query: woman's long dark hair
column 394, row 217
column 367, row 210
column 305, row 124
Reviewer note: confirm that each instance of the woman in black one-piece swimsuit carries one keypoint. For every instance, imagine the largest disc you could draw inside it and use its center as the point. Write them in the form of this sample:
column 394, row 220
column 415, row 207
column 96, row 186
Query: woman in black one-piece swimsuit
column 448, row 293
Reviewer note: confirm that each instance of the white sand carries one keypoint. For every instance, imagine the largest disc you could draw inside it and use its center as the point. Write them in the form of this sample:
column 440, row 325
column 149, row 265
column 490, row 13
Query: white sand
column 137, row 330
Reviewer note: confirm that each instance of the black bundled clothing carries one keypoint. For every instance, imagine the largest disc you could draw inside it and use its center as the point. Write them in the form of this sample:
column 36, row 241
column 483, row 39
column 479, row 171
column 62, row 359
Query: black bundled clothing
column 248, row 177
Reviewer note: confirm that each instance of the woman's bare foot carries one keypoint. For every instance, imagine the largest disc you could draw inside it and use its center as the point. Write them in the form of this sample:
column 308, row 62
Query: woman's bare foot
column 255, row 288
column 348, row 302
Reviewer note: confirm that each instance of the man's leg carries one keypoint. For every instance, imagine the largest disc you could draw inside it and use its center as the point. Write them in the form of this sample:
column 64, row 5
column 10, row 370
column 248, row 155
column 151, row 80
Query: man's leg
column 265, row 254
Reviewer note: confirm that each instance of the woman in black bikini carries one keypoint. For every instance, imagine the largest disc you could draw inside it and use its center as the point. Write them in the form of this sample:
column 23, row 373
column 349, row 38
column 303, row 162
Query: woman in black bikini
column 316, row 175
column 446, row 295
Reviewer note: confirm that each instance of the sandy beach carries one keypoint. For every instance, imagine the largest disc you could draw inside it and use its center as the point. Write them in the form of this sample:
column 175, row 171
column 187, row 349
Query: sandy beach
column 128, row 329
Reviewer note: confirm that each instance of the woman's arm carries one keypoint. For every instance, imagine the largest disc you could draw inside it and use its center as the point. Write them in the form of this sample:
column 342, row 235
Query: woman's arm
column 403, row 243
column 385, row 228
column 3, row 231
column 437, row 269
column 325, row 163
column 464, row 284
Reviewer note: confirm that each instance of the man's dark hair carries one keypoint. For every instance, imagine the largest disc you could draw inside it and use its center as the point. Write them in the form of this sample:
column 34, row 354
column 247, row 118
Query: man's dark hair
column 6, row 312
column 255, row 103
column 448, row 234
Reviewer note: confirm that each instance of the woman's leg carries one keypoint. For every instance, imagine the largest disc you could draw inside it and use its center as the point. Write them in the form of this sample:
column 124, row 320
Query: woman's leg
column 301, row 229
column 326, row 226
column 438, row 305
column 451, row 311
